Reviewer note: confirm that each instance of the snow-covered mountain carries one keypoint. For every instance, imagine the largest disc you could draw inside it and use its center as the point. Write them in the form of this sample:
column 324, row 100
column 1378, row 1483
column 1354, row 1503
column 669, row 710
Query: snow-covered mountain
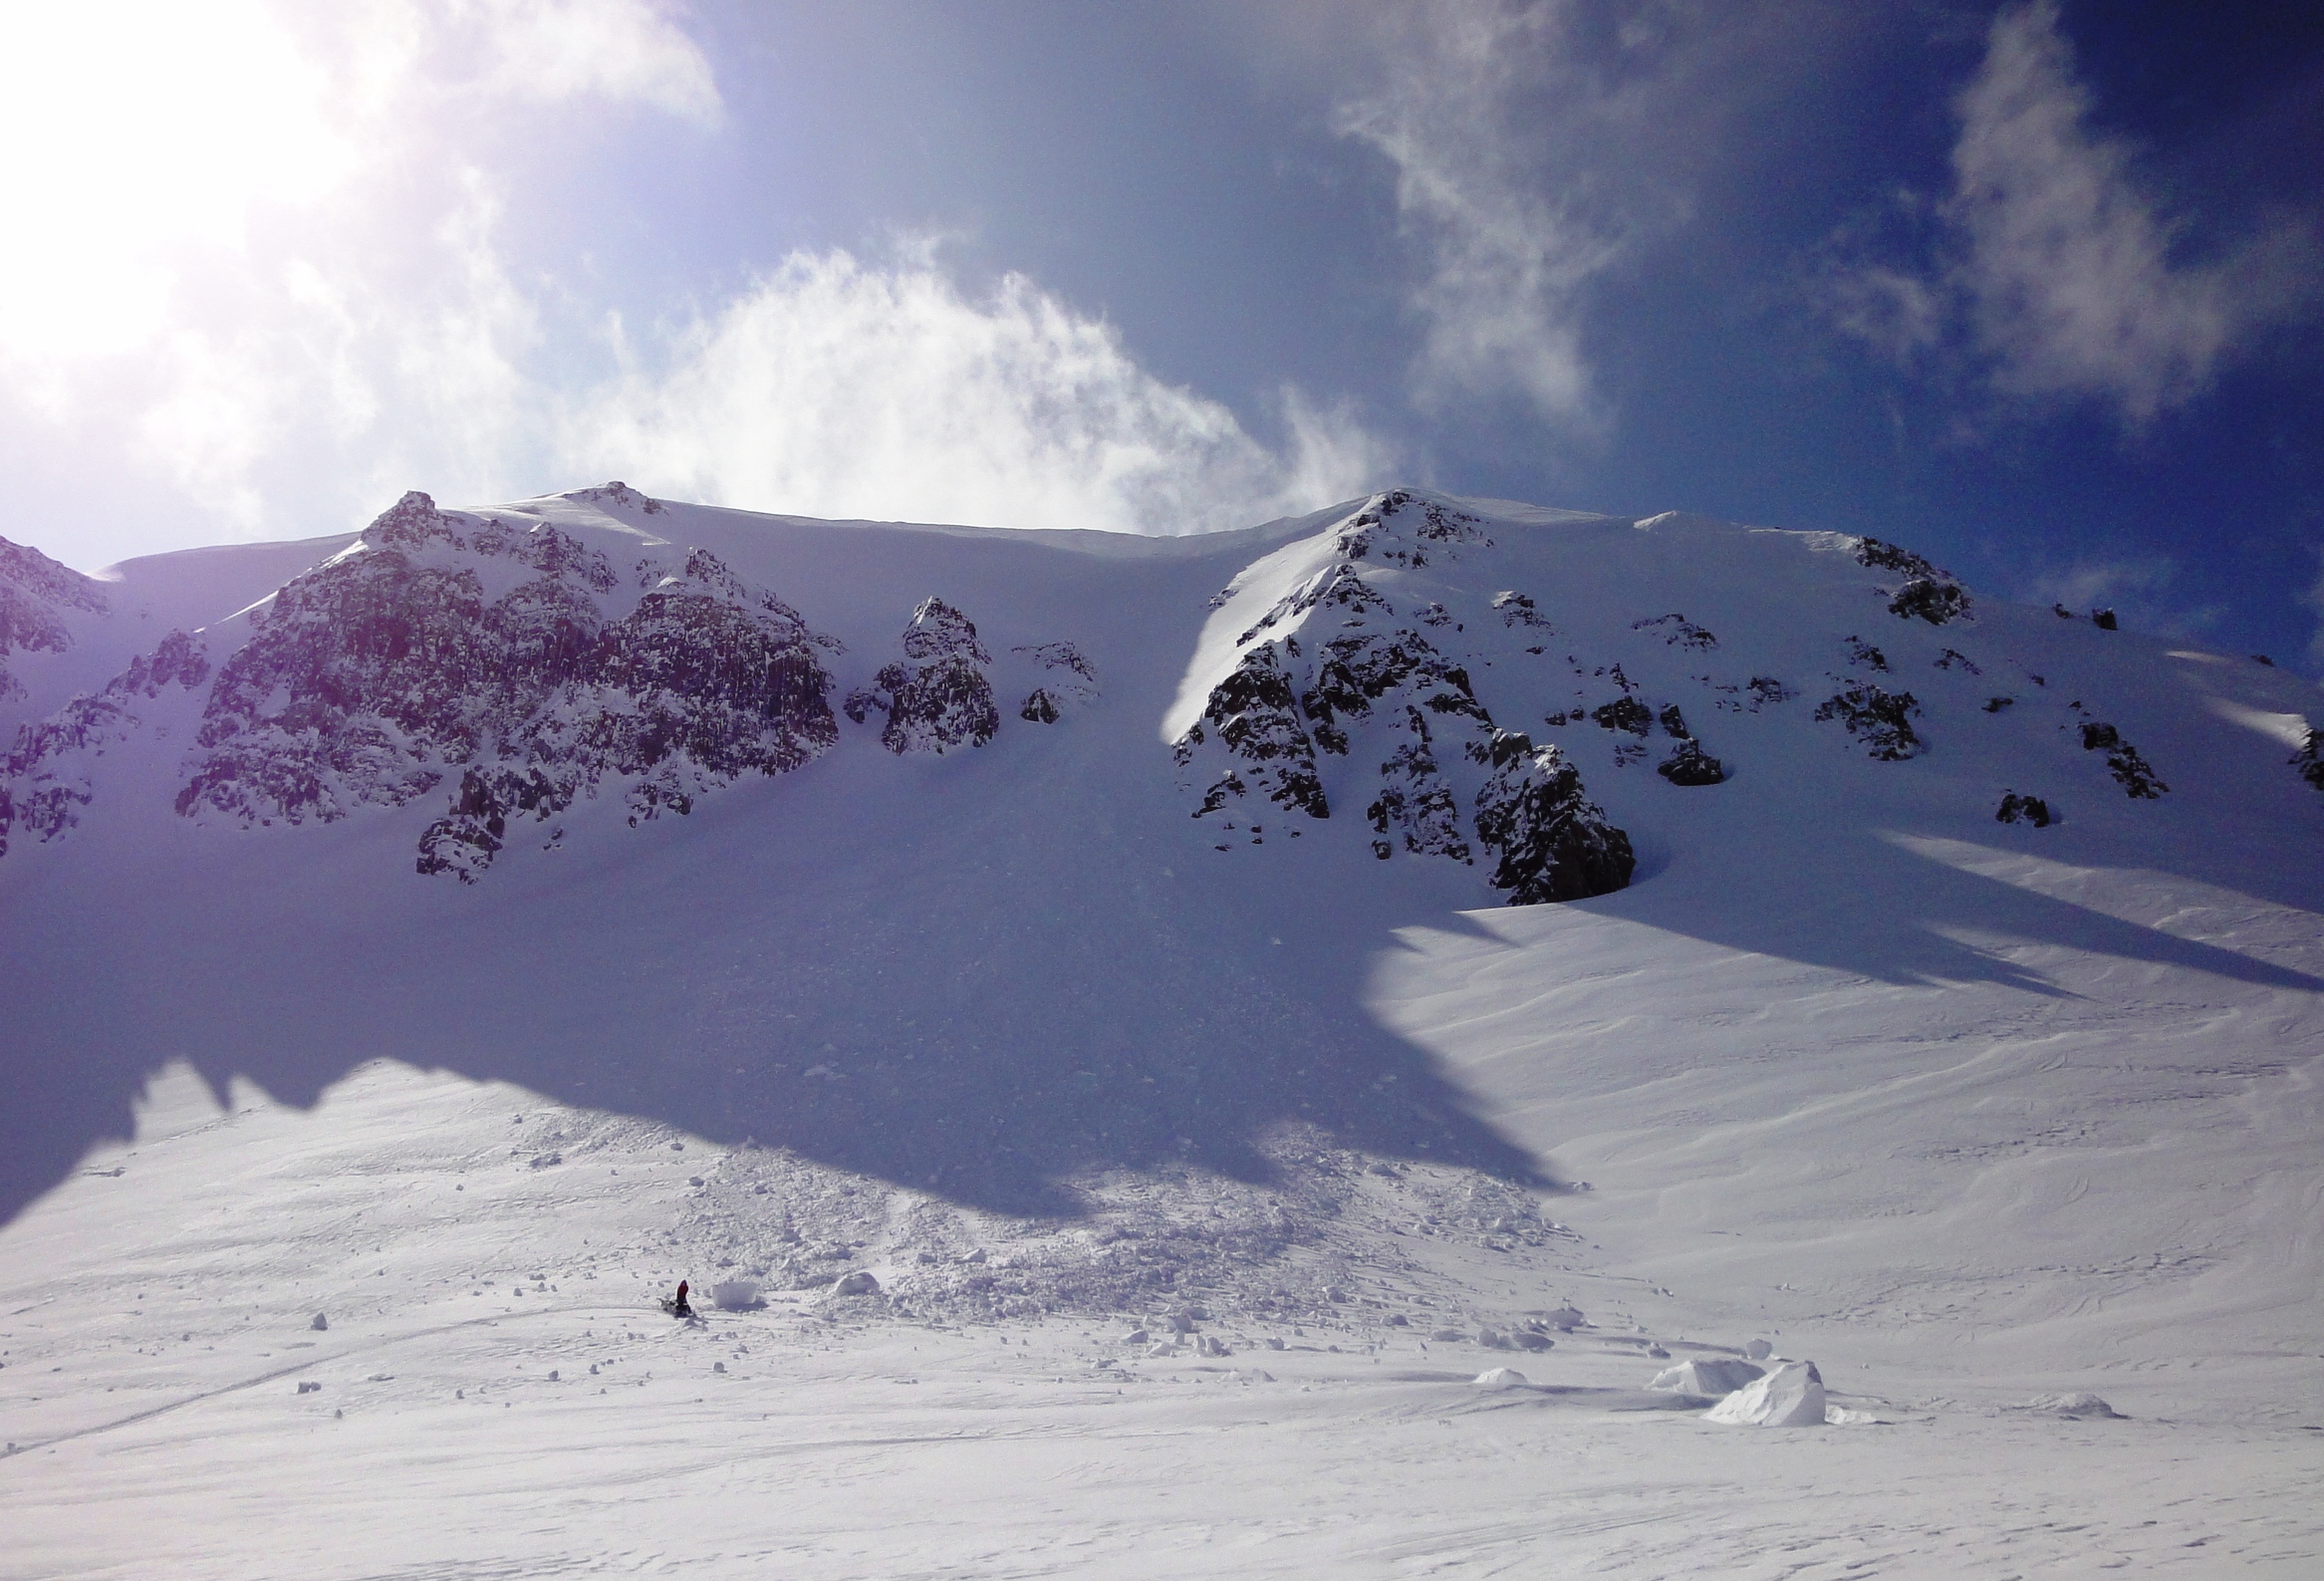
column 1430, row 917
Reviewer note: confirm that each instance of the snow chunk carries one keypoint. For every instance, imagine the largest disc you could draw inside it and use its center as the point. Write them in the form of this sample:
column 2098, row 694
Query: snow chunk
column 1713, row 1376
column 2081, row 1406
column 735, row 1295
column 1500, row 1377
column 1792, row 1396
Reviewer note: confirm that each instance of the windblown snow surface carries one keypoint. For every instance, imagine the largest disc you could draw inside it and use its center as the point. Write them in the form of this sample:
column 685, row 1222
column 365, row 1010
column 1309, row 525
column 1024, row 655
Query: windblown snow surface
column 1066, row 991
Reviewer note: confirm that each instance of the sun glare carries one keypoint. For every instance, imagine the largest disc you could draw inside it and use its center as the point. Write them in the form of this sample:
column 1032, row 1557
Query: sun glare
column 137, row 137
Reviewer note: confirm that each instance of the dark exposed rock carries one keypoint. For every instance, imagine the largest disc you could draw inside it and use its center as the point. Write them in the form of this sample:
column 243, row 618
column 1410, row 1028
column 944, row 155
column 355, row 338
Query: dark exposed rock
column 375, row 674
column 1996, row 704
column 1681, row 632
column 28, row 571
column 1765, row 690
column 34, row 591
column 2131, row 771
column 729, row 689
column 1399, row 530
column 1252, row 715
column 2029, row 809
column 2061, row 612
column 1864, row 655
column 1517, row 611
column 617, row 493
column 1931, row 600
column 1553, row 844
column 1068, row 681
column 1881, row 720
column 1690, row 765
column 1928, row 592
column 47, row 763
column 1415, row 799
column 1625, row 713
column 2309, row 760
column 1674, row 723
column 1336, row 587
column 1954, row 658
column 2103, row 619
column 1883, row 555
column 1354, row 673
column 940, row 698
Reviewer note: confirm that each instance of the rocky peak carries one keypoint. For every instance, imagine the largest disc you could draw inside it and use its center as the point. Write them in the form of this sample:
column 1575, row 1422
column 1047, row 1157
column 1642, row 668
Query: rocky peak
column 939, row 631
column 1339, row 675
column 939, row 697
column 33, row 593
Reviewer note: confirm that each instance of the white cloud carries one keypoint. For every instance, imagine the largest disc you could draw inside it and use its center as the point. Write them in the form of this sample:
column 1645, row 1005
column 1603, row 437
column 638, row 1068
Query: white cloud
column 305, row 303
column 1474, row 103
column 337, row 388
column 2066, row 274
column 622, row 50
column 148, row 138
column 840, row 390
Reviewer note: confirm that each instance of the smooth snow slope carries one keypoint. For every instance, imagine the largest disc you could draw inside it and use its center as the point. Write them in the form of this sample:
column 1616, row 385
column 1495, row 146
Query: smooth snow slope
column 1968, row 1113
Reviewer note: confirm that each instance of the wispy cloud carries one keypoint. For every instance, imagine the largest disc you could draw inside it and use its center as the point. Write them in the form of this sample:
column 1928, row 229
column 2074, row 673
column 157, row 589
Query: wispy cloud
column 836, row 387
column 1495, row 121
column 296, row 294
column 2068, row 276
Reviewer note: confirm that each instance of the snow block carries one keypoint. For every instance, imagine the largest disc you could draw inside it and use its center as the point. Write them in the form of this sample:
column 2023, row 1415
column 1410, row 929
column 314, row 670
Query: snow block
column 1792, row 1396
column 735, row 1295
column 1715, row 1376
column 1501, row 1378
column 2079, row 1405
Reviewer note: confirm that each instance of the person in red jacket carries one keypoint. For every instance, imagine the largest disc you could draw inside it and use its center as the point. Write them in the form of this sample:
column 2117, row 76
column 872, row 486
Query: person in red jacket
column 678, row 1308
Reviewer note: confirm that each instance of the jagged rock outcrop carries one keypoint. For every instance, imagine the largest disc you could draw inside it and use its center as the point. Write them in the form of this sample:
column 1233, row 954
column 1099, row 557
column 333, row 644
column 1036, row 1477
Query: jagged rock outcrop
column 1397, row 529
column 2132, row 773
column 1927, row 593
column 1552, row 842
column 2309, row 760
column 443, row 641
column 1625, row 713
column 1067, row 681
column 1881, row 720
column 939, row 697
column 1933, row 600
column 1339, row 677
column 46, row 779
column 2024, row 808
column 33, row 591
column 1690, row 765
column 617, row 493
column 1253, row 720
column 1516, row 609
column 1677, row 632
column 1414, row 801
column 1336, row 588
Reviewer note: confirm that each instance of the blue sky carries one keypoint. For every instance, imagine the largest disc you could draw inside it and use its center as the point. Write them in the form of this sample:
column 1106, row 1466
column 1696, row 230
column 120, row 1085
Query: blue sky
column 2037, row 289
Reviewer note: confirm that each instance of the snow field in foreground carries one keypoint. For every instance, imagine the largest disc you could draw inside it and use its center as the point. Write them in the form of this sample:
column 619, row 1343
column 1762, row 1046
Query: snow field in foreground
column 462, row 1427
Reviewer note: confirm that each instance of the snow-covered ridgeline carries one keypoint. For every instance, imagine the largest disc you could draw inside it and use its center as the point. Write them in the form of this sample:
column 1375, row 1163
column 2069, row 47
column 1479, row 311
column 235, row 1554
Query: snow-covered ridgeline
column 522, row 658
column 505, row 650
